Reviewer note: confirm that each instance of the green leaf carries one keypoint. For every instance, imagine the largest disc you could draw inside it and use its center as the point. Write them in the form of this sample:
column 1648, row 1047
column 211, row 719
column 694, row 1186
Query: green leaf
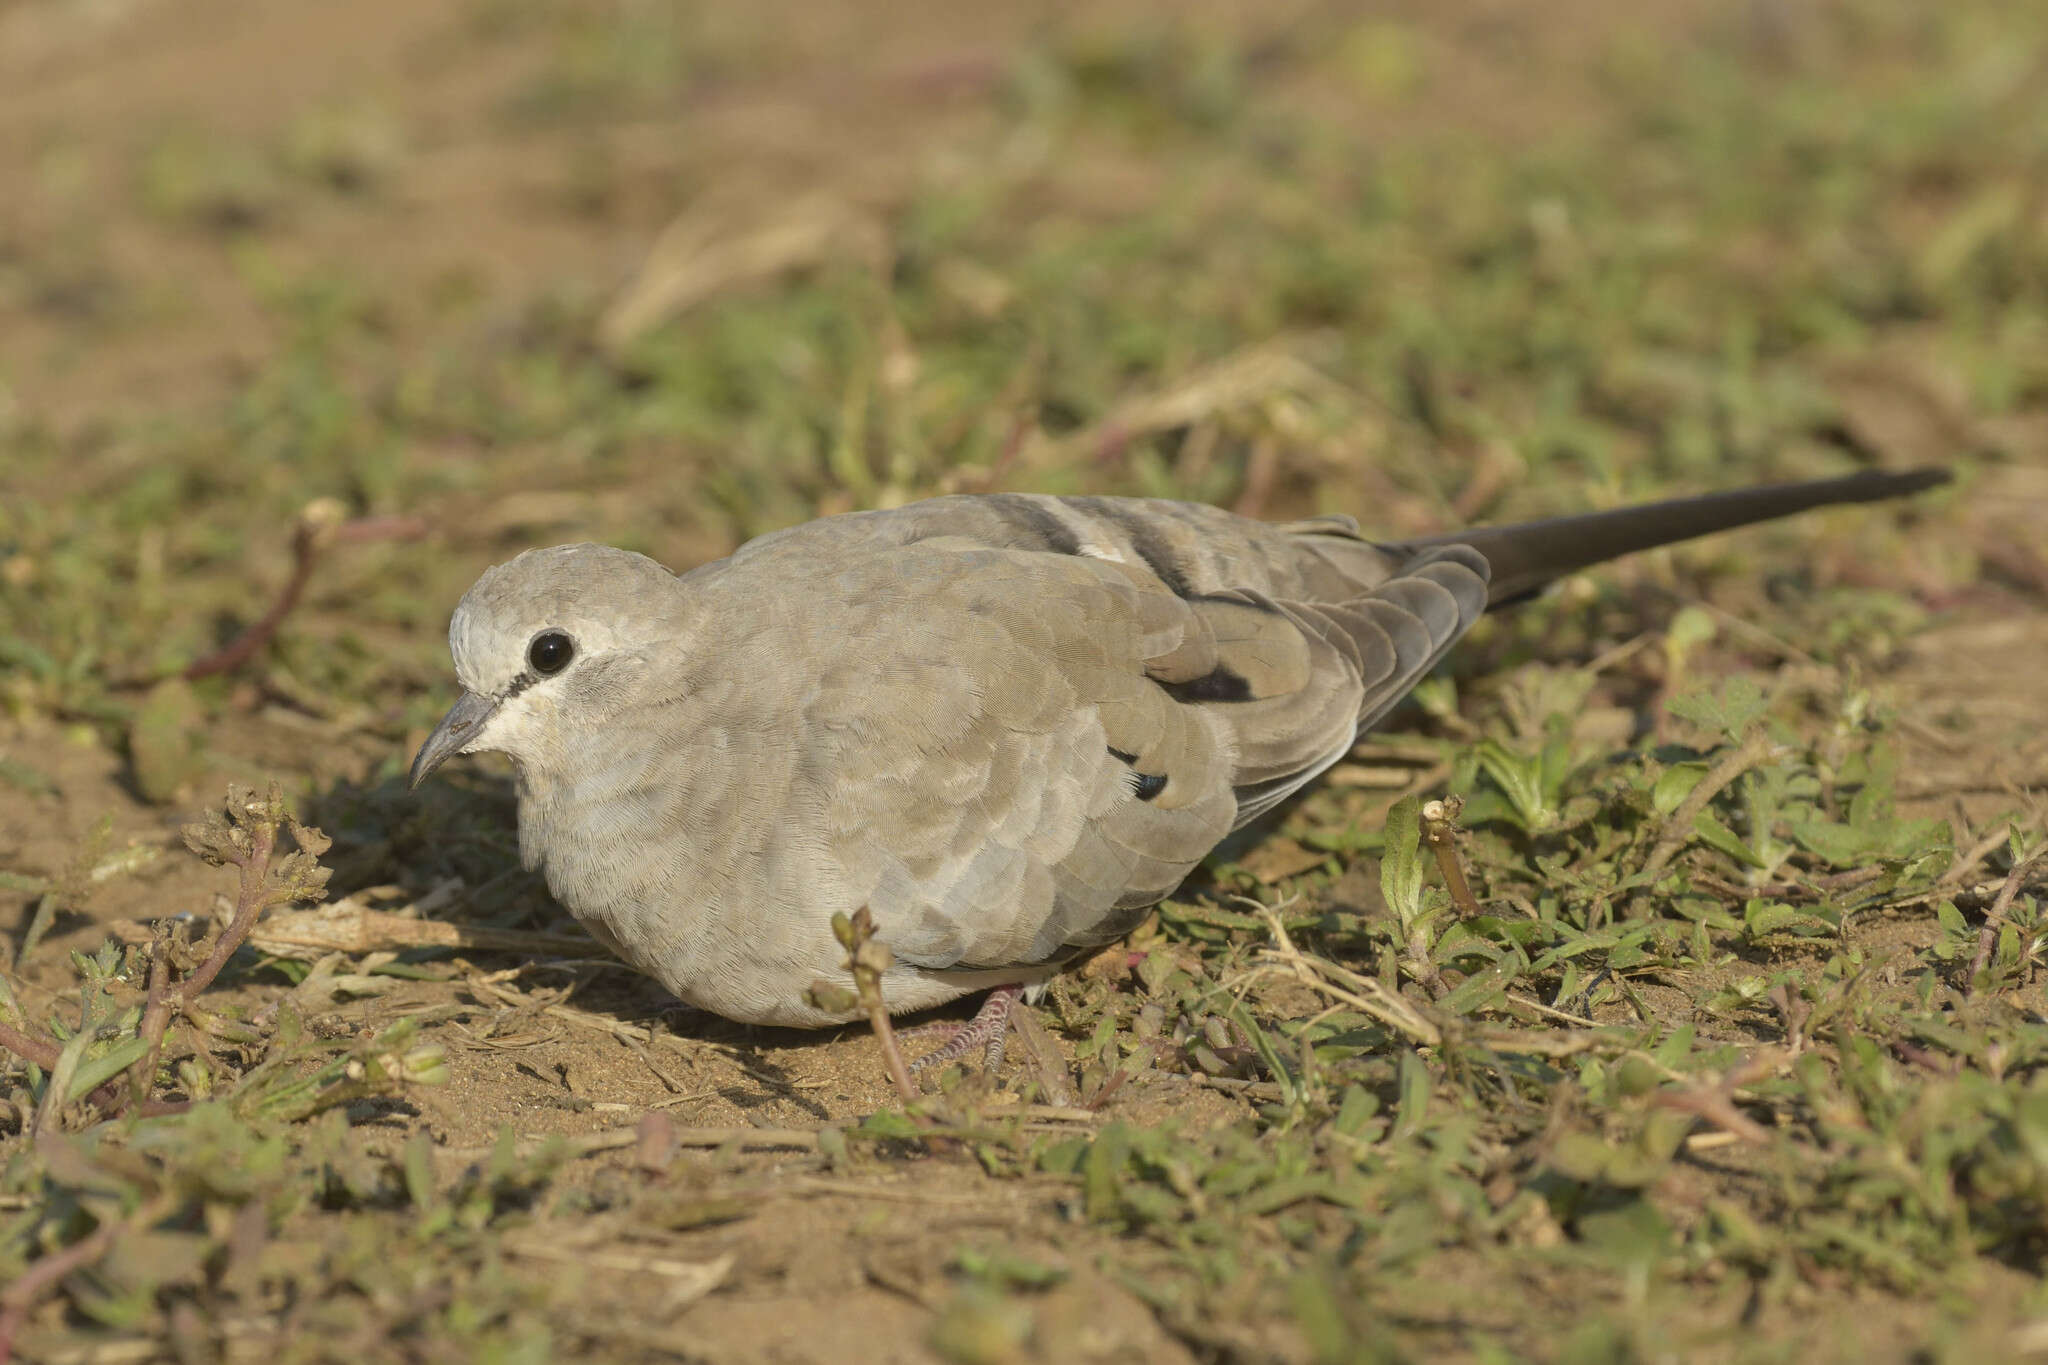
column 1262, row 1041
column 68, row 1062
column 91, row 1074
column 418, row 1166
column 889, row 1123
column 831, row 997
column 1951, row 919
column 1319, row 1314
column 1521, row 778
column 1479, row 991
column 163, row 746
column 1764, row 917
column 1718, row 836
column 1839, row 845
column 1102, row 1172
column 1401, row 862
column 1915, row 842
column 1691, row 627
column 1674, row 785
column 1633, row 1233
column 1065, row 1157
column 1413, row 1106
column 1355, row 1110
column 1731, row 709
column 19, row 653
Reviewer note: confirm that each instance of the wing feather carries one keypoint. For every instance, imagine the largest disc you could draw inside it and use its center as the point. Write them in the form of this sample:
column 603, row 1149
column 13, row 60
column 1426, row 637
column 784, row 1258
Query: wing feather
column 1030, row 747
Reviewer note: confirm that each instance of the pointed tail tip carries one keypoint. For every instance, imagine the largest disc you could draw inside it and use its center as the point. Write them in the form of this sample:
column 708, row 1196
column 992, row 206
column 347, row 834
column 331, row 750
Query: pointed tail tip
column 1528, row 556
column 1899, row 483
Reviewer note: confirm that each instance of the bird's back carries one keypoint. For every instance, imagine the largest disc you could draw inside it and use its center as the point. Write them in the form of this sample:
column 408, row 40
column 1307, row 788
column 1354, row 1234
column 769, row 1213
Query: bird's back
column 1188, row 549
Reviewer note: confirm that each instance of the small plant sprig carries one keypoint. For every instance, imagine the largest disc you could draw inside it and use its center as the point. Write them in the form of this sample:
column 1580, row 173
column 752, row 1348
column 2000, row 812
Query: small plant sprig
column 1440, row 831
column 868, row 959
column 248, row 833
column 277, row 863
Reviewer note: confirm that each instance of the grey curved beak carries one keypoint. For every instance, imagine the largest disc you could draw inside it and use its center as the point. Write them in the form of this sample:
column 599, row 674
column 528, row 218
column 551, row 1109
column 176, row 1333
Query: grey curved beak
column 463, row 723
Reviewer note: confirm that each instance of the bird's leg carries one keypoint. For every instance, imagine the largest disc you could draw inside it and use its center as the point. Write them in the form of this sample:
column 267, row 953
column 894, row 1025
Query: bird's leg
column 989, row 1028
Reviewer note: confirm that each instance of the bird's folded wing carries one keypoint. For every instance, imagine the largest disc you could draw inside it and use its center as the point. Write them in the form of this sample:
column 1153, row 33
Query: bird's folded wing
column 1370, row 651
column 1027, row 749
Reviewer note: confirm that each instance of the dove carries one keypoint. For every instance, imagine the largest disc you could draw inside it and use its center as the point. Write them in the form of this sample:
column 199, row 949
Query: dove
column 1006, row 724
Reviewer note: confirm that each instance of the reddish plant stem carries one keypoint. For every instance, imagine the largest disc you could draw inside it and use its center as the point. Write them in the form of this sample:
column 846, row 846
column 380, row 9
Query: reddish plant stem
column 311, row 537
column 249, row 903
column 18, row 1298
column 1987, row 937
column 1439, row 831
column 239, row 650
column 892, row 1056
column 866, row 961
column 163, row 1002
column 42, row 1051
column 156, row 1017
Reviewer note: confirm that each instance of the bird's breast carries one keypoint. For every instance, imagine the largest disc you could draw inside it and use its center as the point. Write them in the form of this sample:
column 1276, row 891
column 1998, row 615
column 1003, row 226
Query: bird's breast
column 672, row 866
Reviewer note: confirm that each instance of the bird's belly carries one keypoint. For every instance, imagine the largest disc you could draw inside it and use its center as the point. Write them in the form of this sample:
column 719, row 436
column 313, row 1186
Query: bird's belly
column 738, row 921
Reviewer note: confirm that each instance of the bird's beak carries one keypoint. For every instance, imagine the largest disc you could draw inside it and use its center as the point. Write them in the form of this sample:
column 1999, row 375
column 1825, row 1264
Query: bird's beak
column 463, row 723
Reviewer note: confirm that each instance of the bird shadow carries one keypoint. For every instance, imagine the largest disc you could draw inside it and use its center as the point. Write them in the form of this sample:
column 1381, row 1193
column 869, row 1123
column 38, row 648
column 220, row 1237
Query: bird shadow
column 387, row 836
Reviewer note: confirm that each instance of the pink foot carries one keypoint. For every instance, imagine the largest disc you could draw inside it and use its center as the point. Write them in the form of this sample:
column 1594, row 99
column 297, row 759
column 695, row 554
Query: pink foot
column 989, row 1028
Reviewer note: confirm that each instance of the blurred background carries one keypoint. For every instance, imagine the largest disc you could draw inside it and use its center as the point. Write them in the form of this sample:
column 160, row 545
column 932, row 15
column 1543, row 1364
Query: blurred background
column 672, row 274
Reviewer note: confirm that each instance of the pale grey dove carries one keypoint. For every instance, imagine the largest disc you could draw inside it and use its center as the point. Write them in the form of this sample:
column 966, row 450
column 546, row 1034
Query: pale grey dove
column 1006, row 724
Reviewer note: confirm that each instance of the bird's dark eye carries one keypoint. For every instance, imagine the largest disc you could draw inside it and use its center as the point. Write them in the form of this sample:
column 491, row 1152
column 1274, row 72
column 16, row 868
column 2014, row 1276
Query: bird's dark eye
column 550, row 652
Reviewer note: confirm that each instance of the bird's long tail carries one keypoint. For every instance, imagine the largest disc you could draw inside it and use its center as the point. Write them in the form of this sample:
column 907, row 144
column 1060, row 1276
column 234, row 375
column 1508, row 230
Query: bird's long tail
column 1529, row 556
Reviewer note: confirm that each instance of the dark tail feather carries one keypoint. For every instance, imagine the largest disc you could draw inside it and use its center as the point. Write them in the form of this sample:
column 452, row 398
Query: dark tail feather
column 1527, row 557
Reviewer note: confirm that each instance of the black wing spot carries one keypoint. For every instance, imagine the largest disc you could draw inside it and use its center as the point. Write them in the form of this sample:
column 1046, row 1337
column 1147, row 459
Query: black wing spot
column 1146, row 785
column 1218, row 684
column 1031, row 518
column 1145, row 540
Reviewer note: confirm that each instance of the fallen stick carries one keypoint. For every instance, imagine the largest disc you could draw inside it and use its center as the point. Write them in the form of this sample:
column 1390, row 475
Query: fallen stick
column 348, row 928
column 320, row 525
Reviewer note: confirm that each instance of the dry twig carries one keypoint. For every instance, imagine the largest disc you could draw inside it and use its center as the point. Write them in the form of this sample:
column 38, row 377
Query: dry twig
column 1714, row 1099
column 320, row 525
column 1440, row 831
column 867, row 960
column 1987, row 937
column 1341, row 984
column 616, row 1139
column 692, row 261
column 42, row 1051
column 347, row 927
column 1960, row 871
column 46, row 1274
column 1758, row 748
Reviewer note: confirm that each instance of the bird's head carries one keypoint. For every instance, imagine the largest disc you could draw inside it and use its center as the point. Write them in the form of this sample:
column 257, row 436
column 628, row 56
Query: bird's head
column 548, row 645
